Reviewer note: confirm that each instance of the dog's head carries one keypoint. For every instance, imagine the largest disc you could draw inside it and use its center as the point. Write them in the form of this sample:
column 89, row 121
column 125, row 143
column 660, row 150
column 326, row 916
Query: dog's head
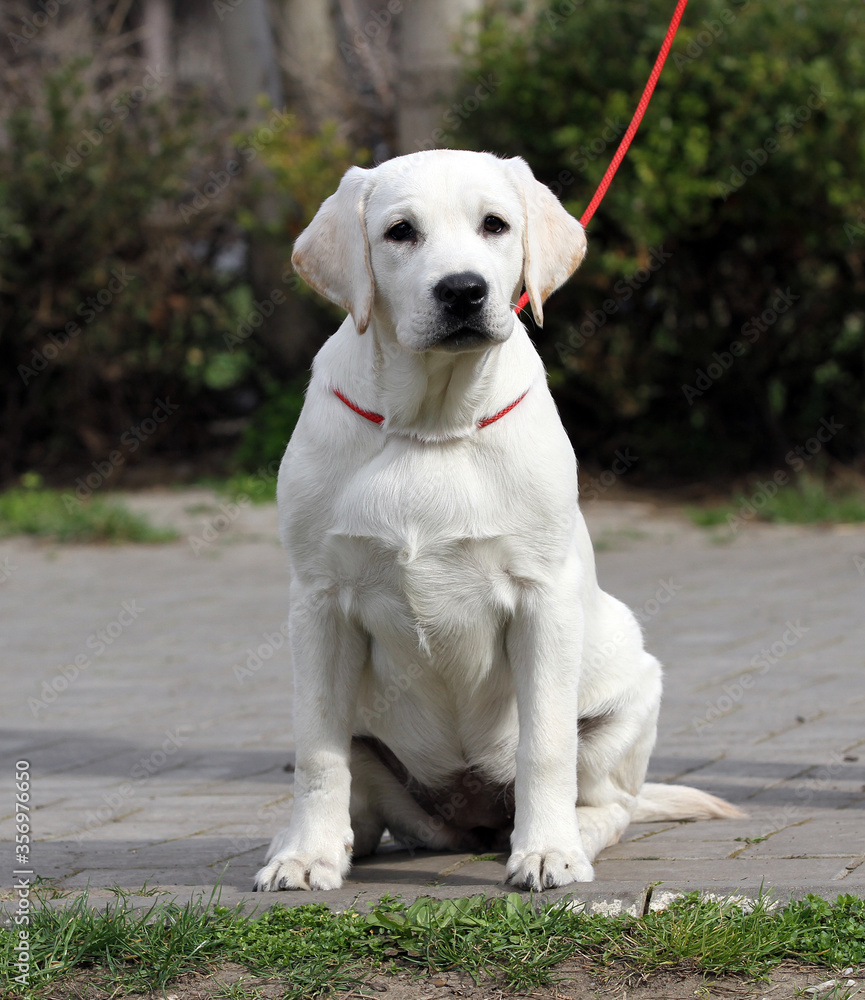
column 438, row 245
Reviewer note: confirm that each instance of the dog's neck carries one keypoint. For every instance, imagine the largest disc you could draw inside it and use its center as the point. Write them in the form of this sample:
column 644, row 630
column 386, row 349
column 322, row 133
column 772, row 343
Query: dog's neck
column 437, row 395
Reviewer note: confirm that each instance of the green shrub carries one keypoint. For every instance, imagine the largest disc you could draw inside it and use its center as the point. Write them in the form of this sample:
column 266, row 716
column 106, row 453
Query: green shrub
column 719, row 316
column 124, row 236
column 110, row 300
column 303, row 168
column 265, row 438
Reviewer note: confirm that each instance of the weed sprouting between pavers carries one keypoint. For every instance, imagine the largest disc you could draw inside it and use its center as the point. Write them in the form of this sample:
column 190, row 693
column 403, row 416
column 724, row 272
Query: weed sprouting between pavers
column 313, row 951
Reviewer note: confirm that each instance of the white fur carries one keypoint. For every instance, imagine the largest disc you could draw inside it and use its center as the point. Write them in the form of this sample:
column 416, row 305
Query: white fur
column 443, row 596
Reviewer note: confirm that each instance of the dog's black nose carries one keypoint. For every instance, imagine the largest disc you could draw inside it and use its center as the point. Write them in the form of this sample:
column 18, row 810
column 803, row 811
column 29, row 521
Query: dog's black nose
column 461, row 294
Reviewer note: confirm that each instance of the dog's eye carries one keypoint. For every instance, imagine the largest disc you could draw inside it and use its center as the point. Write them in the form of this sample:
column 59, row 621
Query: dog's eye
column 493, row 224
column 400, row 232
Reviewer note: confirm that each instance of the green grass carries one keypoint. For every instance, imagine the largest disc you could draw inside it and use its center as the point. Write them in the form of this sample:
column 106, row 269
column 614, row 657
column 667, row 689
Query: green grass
column 315, row 952
column 808, row 500
column 709, row 517
column 610, row 541
column 59, row 516
column 257, row 487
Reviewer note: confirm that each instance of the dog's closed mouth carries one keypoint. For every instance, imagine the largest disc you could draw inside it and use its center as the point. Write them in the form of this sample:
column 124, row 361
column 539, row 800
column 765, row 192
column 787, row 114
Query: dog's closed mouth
column 463, row 338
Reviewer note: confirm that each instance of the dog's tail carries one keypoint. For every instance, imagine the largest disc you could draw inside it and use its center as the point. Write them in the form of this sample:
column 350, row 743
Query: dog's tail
column 671, row 802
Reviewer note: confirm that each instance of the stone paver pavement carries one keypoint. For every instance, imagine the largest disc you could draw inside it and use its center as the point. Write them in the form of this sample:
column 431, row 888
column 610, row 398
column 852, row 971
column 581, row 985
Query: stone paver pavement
column 149, row 690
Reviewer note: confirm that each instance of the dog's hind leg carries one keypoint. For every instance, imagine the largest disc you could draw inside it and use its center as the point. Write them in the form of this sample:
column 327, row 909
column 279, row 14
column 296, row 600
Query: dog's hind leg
column 613, row 759
column 614, row 751
column 380, row 800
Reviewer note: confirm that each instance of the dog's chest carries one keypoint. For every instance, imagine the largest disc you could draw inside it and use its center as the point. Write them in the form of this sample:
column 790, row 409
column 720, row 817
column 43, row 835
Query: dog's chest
column 412, row 496
column 433, row 544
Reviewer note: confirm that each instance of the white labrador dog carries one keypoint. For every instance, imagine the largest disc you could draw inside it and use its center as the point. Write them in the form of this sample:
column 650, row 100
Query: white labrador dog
column 461, row 678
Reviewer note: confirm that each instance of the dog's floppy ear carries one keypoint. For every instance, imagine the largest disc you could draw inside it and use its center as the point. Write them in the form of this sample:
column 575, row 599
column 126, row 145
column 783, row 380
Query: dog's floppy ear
column 332, row 253
column 554, row 242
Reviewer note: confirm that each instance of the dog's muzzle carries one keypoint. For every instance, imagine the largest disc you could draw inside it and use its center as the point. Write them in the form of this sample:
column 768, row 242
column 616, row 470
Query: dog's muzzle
column 461, row 299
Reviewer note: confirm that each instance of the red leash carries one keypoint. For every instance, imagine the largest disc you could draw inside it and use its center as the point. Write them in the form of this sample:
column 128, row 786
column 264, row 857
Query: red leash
column 632, row 128
column 377, row 418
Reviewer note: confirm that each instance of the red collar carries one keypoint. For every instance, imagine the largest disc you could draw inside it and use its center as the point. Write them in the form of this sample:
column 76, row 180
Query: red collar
column 377, row 418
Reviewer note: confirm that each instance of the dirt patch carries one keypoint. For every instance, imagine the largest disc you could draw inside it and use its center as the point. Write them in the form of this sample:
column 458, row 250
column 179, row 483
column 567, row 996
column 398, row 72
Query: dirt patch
column 577, row 982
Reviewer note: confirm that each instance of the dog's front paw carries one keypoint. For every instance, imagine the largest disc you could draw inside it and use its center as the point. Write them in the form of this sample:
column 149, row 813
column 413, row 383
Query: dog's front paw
column 547, row 869
column 303, row 870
